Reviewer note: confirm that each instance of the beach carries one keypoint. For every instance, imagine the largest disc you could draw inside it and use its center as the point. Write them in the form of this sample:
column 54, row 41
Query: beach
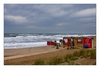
column 49, row 34
column 27, row 56
column 22, row 52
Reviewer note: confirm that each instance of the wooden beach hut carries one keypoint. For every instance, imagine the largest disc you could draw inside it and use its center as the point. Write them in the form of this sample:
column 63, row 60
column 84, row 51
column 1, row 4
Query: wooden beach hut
column 81, row 41
column 66, row 41
column 91, row 41
column 78, row 41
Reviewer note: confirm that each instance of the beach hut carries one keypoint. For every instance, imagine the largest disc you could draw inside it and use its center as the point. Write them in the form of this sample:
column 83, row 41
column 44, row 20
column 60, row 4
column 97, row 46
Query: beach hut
column 78, row 41
column 88, row 41
column 66, row 41
column 84, row 41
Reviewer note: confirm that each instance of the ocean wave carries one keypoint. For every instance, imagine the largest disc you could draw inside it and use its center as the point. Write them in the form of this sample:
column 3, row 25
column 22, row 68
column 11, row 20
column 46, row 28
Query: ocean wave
column 26, row 40
column 23, row 45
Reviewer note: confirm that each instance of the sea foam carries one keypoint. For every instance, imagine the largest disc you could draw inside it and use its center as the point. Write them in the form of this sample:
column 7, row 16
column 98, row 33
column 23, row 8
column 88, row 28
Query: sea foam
column 33, row 40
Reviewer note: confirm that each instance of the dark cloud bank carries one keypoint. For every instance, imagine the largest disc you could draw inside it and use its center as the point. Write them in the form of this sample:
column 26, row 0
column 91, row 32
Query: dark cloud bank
column 50, row 18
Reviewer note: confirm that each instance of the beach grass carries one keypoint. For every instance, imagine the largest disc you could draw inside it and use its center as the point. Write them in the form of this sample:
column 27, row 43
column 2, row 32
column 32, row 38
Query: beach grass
column 69, row 58
column 39, row 62
column 55, row 61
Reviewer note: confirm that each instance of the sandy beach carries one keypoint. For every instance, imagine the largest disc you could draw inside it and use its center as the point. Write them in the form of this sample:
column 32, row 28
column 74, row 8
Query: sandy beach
column 22, row 52
column 27, row 56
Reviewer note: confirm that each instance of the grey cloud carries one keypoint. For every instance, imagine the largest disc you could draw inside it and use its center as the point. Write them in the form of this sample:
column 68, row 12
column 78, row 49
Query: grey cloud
column 86, row 12
column 16, row 19
column 50, row 17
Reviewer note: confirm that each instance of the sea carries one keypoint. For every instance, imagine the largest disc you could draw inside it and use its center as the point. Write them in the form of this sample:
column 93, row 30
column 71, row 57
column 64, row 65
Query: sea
column 25, row 40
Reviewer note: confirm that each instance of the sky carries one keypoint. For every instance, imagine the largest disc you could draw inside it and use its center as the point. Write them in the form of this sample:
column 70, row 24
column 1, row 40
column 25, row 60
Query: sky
column 49, row 18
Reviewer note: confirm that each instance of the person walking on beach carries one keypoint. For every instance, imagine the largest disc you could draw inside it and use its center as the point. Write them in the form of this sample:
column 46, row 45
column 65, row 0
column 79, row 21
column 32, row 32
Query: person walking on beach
column 56, row 45
column 63, row 43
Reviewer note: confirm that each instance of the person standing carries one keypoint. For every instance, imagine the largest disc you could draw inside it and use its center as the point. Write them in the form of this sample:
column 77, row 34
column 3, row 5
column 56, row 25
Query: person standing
column 63, row 43
column 72, row 43
column 56, row 45
column 60, row 42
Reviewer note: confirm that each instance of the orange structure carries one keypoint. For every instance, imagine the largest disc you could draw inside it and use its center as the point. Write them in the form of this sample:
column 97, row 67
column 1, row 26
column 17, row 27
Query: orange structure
column 67, row 41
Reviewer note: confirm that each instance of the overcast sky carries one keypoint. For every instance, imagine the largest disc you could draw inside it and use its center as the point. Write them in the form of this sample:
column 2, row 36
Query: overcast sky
column 50, row 18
